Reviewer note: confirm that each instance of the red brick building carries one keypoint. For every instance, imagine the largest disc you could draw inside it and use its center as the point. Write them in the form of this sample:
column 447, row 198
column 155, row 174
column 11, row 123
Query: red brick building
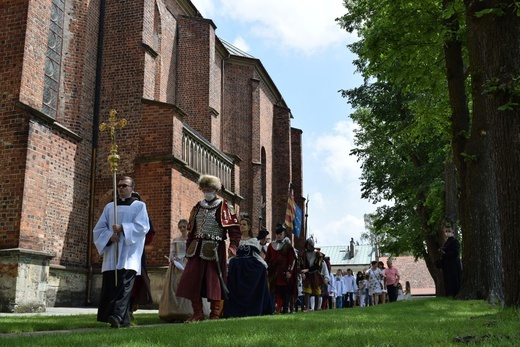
column 194, row 104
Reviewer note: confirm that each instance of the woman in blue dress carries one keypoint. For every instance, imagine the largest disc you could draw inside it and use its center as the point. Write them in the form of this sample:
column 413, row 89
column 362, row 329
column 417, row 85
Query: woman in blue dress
column 247, row 278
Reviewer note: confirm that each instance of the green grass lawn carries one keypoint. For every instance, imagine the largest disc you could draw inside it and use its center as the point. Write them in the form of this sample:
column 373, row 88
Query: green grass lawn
column 420, row 322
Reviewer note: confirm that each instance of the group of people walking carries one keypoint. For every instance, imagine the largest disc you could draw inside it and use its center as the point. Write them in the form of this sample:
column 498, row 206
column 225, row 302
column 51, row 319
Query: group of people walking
column 197, row 278
column 219, row 268
column 376, row 285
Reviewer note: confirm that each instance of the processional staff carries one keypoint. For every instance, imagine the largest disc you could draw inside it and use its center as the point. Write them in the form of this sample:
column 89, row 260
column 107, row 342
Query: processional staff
column 113, row 159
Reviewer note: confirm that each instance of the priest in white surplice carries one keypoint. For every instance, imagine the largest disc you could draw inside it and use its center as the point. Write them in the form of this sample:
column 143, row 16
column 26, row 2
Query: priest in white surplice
column 129, row 236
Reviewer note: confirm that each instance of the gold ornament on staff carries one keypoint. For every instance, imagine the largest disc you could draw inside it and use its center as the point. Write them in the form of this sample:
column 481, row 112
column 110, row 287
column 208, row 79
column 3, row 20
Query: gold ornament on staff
column 113, row 159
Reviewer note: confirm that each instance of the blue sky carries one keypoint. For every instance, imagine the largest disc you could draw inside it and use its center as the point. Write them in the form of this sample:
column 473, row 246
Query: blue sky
column 304, row 51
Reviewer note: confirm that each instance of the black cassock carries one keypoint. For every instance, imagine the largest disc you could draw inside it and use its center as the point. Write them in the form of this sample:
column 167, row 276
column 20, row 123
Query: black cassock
column 451, row 266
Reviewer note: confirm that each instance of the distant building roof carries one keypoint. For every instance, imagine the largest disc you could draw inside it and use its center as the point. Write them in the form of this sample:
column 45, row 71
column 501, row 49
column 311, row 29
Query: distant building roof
column 339, row 255
column 234, row 50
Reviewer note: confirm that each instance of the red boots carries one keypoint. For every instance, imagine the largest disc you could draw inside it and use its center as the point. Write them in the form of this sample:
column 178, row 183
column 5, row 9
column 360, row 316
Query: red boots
column 198, row 313
column 215, row 309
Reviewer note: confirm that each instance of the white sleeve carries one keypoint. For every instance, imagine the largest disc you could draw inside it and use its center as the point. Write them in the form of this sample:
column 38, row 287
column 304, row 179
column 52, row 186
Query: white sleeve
column 103, row 231
column 136, row 229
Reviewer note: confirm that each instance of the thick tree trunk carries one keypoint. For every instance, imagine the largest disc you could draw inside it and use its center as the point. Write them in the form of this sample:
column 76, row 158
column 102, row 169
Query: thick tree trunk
column 431, row 253
column 451, row 191
column 494, row 48
column 482, row 278
column 478, row 201
column 481, row 275
column 432, row 243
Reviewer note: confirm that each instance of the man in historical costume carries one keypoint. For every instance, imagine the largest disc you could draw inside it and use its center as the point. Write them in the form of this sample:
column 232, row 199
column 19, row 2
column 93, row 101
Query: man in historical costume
column 262, row 237
column 314, row 271
column 281, row 261
column 126, row 240
column 211, row 221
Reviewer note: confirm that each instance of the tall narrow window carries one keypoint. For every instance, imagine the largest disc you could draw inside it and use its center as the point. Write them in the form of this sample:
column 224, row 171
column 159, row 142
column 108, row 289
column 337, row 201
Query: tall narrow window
column 53, row 59
column 157, row 48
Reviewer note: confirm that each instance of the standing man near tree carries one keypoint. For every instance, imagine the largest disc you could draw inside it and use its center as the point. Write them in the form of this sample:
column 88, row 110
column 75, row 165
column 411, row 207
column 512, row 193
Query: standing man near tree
column 392, row 279
column 126, row 239
column 451, row 266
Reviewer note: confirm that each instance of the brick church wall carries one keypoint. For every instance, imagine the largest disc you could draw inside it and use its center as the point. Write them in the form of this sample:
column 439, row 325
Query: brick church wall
column 238, row 91
column 56, row 150
column 13, row 122
column 122, row 86
column 47, row 173
column 162, row 67
column 297, row 179
column 266, row 141
column 249, row 114
column 166, row 62
column 282, row 162
column 196, row 70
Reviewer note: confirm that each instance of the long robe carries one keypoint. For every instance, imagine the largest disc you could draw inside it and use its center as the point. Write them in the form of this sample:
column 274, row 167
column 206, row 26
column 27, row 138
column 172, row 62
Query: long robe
column 247, row 283
column 171, row 307
column 134, row 219
column 451, row 267
column 132, row 215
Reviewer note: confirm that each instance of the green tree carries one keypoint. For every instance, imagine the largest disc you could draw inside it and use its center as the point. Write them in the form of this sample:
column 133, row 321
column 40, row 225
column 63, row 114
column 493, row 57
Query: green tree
column 472, row 157
column 402, row 168
column 418, row 47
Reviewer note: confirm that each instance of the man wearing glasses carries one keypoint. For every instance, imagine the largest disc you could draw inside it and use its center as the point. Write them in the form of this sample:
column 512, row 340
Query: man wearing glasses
column 126, row 239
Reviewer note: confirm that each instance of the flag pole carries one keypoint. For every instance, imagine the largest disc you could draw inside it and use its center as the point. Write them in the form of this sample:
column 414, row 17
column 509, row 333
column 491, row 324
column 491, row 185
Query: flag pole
column 306, row 215
column 113, row 159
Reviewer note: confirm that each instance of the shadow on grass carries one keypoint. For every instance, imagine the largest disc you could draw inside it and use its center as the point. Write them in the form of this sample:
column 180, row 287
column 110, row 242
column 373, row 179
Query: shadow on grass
column 426, row 322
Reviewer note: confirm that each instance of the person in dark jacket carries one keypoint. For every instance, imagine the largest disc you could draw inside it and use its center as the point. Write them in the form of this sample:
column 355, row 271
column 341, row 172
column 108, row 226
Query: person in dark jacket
column 451, row 265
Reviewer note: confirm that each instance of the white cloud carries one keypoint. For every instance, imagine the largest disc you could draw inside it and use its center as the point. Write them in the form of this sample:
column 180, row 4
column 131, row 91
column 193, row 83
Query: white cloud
column 241, row 44
column 318, row 200
column 334, row 151
column 336, row 209
column 338, row 231
column 302, row 25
